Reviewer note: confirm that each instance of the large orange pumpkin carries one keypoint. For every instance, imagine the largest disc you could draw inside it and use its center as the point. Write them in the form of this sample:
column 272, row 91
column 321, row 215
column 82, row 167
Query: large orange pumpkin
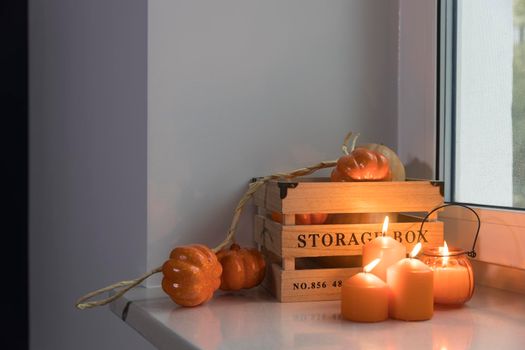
column 362, row 165
column 303, row 219
column 191, row 275
column 241, row 268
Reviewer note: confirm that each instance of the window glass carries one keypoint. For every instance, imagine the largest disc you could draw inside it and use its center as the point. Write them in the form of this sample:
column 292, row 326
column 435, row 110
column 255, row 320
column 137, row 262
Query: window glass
column 490, row 103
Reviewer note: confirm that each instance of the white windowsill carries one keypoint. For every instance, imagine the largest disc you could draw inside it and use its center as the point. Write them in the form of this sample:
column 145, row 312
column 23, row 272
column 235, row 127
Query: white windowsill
column 254, row 320
column 501, row 239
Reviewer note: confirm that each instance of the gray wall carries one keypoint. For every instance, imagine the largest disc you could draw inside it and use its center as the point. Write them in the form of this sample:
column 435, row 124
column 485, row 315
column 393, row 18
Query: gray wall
column 240, row 88
column 235, row 89
column 417, row 84
column 87, row 164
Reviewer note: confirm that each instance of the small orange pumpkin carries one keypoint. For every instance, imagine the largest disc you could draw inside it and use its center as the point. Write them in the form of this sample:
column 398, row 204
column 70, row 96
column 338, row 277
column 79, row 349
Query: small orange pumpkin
column 362, row 165
column 241, row 268
column 303, row 219
column 396, row 166
column 191, row 275
column 310, row 219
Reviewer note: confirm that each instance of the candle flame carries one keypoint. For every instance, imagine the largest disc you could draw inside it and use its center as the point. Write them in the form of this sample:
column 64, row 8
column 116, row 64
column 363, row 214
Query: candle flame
column 445, row 253
column 415, row 250
column 385, row 225
column 371, row 265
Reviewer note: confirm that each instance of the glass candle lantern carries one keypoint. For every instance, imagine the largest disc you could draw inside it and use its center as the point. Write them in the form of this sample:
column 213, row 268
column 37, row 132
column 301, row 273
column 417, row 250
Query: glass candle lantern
column 453, row 275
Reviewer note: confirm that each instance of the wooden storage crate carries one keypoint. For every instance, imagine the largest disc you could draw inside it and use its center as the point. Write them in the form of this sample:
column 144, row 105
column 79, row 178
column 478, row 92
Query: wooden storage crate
column 309, row 262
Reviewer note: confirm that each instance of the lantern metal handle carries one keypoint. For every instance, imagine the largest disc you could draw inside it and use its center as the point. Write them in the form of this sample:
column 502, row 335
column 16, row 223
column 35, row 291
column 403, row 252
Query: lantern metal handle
column 471, row 253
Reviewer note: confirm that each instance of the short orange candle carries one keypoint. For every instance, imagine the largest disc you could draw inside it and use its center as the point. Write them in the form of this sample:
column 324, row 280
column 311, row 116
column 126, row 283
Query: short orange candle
column 453, row 275
column 411, row 289
column 387, row 249
column 364, row 297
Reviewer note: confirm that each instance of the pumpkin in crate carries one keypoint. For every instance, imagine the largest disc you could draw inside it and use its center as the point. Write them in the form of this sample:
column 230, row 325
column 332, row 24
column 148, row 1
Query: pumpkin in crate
column 396, row 166
column 241, row 267
column 191, row 275
column 302, row 219
column 370, row 157
column 362, row 165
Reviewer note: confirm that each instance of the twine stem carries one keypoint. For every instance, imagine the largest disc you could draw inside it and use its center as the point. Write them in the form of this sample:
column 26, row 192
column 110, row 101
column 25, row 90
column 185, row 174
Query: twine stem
column 123, row 286
column 344, row 146
column 82, row 303
column 230, row 236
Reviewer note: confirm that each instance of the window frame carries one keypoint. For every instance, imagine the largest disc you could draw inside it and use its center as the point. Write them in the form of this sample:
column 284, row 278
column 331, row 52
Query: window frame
column 446, row 102
column 500, row 225
column 446, row 93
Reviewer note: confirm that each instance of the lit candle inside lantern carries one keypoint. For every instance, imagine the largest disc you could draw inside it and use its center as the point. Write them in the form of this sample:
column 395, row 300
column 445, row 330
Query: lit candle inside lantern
column 386, row 248
column 364, row 297
column 444, row 250
column 453, row 275
column 411, row 289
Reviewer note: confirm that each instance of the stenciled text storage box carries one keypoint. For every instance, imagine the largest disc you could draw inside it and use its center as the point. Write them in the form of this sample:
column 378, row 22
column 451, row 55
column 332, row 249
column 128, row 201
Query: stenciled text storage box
column 309, row 262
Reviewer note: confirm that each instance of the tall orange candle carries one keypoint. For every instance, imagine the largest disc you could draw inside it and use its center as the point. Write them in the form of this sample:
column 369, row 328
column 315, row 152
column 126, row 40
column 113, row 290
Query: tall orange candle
column 364, row 297
column 387, row 249
column 411, row 289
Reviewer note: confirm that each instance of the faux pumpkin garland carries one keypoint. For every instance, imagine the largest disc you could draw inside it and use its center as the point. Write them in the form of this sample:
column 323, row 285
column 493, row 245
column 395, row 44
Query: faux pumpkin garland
column 194, row 272
column 191, row 285
column 242, row 268
column 191, row 275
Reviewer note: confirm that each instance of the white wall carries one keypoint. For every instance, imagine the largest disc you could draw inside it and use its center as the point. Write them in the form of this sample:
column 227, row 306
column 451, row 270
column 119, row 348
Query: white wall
column 417, row 87
column 238, row 89
column 198, row 96
column 87, row 166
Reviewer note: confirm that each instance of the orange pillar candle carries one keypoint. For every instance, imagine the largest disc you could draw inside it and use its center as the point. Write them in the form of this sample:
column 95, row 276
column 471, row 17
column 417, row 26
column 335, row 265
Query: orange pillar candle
column 387, row 249
column 364, row 297
column 411, row 289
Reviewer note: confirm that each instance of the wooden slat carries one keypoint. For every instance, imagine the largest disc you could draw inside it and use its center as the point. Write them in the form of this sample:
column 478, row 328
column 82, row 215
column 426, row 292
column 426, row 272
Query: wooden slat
column 268, row 234
column 273, row 199
column 355, row 197
column 272, row 279
column 288, row 263
column 433, row 216
column 312, row 285
column 258, row 228
column 413, row 217
column 259, row 196
column 261, row 211
column 338, row 240
column 289, row 219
